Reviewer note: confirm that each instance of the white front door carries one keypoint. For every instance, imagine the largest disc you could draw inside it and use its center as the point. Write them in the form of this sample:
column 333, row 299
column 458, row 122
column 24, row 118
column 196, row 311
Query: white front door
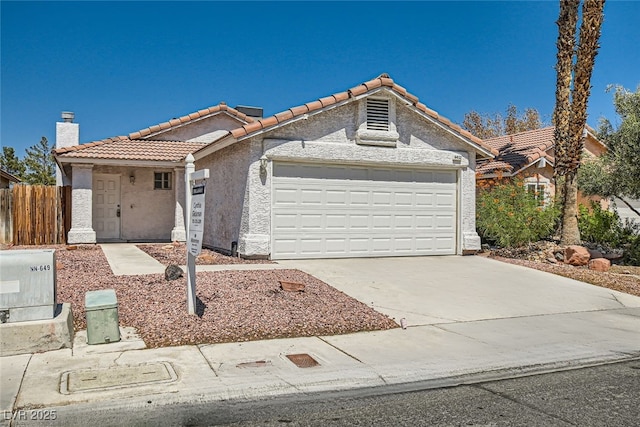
column 334, row 211
column 106, row 206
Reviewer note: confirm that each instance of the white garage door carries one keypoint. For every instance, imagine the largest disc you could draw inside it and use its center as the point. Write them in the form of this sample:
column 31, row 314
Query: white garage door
column 321, row 211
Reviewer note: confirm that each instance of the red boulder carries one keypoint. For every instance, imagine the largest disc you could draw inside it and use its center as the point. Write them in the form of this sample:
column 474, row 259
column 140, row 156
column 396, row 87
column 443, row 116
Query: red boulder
column 576, row 255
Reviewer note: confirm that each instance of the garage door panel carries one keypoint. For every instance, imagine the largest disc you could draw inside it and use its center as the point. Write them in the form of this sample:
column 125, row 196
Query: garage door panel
column 424, row 199
column 336, row 197
column 359, row 198
column 359, row 222
column 336, row 211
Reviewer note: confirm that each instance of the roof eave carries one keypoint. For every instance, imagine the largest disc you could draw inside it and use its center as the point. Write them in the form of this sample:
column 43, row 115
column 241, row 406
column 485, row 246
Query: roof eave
column 181, row 125
column 120, row 162
column 220, row 143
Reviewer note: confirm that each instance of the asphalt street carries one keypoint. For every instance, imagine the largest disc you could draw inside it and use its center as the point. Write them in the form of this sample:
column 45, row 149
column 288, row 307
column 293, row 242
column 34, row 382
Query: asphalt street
column 605, row 395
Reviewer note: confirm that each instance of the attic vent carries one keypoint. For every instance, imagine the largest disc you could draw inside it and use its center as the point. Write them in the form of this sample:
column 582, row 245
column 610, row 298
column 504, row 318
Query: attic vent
column 378, row 114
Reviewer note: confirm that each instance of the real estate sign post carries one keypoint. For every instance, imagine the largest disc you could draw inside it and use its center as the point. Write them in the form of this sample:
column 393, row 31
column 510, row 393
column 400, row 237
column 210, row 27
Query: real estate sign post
column 194, row 206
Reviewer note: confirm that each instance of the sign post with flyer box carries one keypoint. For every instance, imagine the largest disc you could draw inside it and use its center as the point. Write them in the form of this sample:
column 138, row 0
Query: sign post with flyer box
column 194, row 204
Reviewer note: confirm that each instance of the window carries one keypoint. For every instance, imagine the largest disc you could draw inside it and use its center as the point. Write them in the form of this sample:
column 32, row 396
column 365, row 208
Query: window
column 162, row 180
column 538, row 191
column 378, row 114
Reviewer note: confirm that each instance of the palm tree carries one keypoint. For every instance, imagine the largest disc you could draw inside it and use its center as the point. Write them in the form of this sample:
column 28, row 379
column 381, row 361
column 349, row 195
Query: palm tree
column 570, row 114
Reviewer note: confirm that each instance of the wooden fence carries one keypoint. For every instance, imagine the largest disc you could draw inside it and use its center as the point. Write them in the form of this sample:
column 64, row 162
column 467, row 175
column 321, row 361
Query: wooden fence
column 6, row 220
column 38, row 214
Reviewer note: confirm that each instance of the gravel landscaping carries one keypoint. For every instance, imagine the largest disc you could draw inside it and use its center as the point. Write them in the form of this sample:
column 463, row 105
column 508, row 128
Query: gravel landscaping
column 232, row 305
column 176, row 253
column 623, row 278
column 249, row 305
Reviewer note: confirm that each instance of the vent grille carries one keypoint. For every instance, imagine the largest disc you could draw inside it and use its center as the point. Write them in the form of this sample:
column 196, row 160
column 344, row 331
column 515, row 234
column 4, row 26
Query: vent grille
column 378, row 114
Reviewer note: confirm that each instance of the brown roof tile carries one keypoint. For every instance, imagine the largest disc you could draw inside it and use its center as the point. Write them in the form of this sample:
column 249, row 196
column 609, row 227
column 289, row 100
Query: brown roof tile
column 269, row 121
column 327, row 100
column 373, row 84
column 313, row 106
column 342, row 96
column 283, row 116
column 517, row 150
column 123, row 148
column 297, row 111
column 382, row 80
column 190, row 117
column 358, row 90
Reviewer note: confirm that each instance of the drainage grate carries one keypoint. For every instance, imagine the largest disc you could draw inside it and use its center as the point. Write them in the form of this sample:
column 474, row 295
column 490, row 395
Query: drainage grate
column 303, row 360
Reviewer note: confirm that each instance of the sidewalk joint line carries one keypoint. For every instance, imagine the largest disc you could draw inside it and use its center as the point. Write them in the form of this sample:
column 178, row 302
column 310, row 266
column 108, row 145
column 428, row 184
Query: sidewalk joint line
column 14, row 407
column 341, row 350
column 617, row 300
column 207, row 360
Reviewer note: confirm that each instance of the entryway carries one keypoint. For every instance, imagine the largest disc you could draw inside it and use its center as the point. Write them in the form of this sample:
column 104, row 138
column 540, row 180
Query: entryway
column 106, row 206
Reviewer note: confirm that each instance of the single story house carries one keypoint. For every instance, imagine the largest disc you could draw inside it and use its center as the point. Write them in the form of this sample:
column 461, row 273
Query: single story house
column 367, row 172
column 530, row 155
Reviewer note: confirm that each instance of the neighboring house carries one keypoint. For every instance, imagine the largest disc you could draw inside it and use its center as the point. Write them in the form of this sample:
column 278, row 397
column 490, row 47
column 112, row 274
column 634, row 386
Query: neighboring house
column 530, row 155
column 6, row 179
column 366, row 172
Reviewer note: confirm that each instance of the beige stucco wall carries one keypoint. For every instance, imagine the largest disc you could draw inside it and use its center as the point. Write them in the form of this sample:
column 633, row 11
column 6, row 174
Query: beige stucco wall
column 225, row 194
column 146, row 214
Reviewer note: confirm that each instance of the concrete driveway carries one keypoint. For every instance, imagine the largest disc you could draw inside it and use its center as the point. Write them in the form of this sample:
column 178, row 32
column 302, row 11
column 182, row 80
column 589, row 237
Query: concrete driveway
column 447, row 289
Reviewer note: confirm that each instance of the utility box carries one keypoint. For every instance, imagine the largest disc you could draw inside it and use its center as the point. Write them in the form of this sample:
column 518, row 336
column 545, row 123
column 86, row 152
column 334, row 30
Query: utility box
column 101, row 308
column 27, row 285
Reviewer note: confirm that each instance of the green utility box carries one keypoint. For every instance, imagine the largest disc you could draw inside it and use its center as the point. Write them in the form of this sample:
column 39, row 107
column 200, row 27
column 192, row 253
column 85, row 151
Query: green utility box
column 101, row 308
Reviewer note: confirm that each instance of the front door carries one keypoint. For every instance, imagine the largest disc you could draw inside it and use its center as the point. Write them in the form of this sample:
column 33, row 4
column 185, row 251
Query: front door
column 106, row 206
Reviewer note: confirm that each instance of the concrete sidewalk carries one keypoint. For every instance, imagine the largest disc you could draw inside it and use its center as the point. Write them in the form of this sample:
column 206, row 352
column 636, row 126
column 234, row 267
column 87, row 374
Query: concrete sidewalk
column 126, row 259
column 478, row 336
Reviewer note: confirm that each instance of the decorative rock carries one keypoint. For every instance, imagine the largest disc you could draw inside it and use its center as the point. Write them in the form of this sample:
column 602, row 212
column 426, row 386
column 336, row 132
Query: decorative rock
column 206, row 258
column 167, row 247
column 72, row 247
column 292, row 286
column 576, row 255
column 173, row 272
column 599, row 264
column 552, row 260
column 559, row 256
column 595, row 254
column 613, row 257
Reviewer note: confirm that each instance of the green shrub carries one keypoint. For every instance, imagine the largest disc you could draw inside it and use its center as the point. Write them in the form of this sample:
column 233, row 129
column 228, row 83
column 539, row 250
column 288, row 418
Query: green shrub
column 632, row 252
column 509, row 215
column 604, row 227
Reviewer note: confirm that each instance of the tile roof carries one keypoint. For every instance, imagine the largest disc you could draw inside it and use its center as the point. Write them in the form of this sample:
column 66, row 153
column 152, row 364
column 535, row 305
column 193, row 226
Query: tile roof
column 221, row 107
column 123, row 148
column 381, row 81
column 517, row 151
column 131, row 147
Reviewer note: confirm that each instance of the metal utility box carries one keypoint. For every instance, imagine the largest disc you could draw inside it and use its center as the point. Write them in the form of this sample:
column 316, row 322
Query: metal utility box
column 27, row 285
column 101, row 308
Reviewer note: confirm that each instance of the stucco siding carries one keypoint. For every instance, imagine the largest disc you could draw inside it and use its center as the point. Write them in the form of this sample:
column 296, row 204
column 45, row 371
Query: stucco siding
column 225, row 194
column 416, row 132
column 337, row 125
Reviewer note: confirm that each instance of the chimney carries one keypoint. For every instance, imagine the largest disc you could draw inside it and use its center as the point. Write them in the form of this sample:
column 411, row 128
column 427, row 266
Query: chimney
column 67, row 135
column 253, row 112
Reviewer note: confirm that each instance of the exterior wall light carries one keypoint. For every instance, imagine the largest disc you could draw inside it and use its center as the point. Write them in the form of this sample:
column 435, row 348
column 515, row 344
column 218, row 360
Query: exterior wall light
column 132, row 179
column 263, row 165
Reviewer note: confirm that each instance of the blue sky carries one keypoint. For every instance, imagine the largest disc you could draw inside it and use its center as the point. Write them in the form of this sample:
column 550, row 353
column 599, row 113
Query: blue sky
column 123, row 66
